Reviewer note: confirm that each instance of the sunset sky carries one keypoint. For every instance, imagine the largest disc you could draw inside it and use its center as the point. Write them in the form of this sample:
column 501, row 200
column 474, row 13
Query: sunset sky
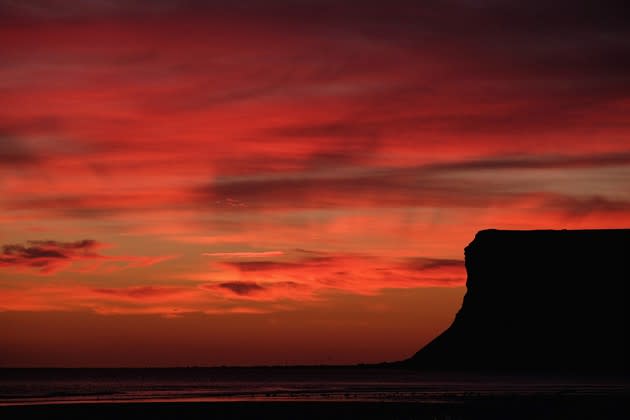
column 287, row 181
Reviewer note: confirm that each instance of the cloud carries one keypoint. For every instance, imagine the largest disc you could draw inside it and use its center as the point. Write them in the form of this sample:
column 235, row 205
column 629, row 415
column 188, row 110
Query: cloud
column 425, row 264
column 245, row 266
column 267, row 291
column 577, row 207
column 310, row 277
column 46, row 10
column 241, row 287
column 444, row 184
column 14, row 153
column 244, row 254
column 49, row 256
column 391, row 87
column 141, row 292
column 149, row 299
column 382, row 187
column 537, row 162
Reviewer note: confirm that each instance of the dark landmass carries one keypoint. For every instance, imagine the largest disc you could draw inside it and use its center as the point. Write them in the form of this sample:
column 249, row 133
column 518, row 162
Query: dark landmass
column 539, row 301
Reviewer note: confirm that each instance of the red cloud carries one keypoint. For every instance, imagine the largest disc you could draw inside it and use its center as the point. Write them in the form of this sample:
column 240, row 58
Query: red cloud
column 267, row 291
column 50, row 256
column 244, row 254
column 47, row 256
column 241, row 287
column 310, row 277
column 141, row 292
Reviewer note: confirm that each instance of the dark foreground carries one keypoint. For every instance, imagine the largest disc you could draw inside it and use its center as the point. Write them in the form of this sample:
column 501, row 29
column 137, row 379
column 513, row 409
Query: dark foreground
column 305, row 393
column 611, row 407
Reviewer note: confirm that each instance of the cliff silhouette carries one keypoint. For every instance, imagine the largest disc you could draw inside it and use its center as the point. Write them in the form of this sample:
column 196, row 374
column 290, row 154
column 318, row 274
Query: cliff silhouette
column 539, row 301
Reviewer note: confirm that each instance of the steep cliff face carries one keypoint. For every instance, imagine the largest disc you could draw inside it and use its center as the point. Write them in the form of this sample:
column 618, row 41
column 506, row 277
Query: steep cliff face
column 539, row 300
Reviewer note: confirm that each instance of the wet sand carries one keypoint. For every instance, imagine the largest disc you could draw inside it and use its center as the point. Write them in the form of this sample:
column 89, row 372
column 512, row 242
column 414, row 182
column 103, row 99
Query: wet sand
column 487, row 408
column 305, row 393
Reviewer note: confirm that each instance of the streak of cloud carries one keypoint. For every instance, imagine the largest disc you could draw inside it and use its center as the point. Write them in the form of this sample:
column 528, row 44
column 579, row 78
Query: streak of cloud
column 48, row 257
column 244, row 254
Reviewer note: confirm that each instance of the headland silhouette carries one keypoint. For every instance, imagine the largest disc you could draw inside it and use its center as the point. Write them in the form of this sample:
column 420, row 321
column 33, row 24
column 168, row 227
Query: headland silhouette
column 539, row 301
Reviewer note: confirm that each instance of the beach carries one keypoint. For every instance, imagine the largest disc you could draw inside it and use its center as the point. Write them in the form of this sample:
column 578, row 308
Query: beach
column 482, row 408
column 305, row 393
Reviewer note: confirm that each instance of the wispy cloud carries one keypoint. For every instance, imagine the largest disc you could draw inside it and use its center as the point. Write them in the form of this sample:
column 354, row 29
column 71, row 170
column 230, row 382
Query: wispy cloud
column 241, row 287
column 312, row 275
column 141, row 292
column 244, row 254
column 48, row 257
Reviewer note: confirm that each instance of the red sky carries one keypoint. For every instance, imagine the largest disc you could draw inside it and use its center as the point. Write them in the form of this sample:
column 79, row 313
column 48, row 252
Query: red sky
column 287, row 181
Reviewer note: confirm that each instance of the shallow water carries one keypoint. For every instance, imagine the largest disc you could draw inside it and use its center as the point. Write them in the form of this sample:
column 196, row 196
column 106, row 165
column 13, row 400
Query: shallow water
column 65, row 386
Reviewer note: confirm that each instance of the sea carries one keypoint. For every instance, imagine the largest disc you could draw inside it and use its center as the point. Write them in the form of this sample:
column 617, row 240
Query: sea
column 232, row 384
